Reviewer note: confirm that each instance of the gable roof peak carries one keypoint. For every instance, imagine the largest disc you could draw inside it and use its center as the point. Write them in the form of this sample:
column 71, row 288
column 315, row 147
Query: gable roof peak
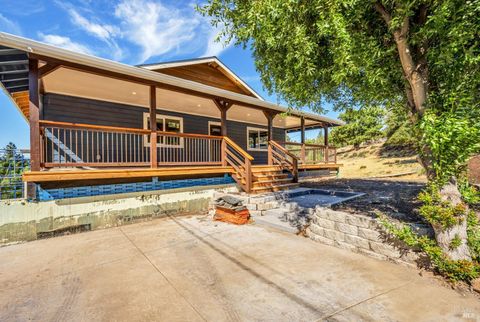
column 202, row 60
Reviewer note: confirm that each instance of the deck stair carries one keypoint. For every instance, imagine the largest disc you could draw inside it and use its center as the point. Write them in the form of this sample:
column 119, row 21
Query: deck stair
column 271, row 178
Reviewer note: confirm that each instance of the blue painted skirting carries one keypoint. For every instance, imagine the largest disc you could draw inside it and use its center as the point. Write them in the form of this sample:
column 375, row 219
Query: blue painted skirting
column 109, row 189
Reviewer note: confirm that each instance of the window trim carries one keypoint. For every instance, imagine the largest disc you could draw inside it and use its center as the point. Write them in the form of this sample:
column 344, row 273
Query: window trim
column 258, row 129
column 162, row 117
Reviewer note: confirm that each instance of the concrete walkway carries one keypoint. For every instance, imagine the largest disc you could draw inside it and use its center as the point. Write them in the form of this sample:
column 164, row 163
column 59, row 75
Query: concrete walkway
column 191, row 269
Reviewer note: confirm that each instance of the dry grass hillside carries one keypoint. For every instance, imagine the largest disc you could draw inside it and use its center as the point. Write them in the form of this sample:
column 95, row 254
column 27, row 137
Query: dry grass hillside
column 378, row 161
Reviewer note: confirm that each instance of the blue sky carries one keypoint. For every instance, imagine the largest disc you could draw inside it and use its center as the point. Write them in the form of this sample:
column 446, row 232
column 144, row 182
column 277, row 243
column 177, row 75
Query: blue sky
column 130, row 31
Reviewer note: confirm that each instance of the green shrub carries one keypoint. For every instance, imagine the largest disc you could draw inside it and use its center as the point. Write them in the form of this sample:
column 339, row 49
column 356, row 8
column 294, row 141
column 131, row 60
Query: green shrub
column 453, row 270
column 438, row 212
column 473, row 235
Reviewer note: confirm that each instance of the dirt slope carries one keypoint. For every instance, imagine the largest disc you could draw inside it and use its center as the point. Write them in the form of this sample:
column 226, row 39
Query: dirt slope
column 378, row 161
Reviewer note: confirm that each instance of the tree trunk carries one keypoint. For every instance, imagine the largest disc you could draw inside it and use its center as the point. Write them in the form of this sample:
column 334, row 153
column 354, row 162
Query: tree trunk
column 444, row 237
column 416, row 74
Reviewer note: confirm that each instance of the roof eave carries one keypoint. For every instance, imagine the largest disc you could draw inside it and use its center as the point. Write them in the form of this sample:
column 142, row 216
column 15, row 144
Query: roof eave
column 34, row 47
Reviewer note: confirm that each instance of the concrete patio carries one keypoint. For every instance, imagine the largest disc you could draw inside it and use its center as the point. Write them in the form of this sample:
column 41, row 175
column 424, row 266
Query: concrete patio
column 191, row 269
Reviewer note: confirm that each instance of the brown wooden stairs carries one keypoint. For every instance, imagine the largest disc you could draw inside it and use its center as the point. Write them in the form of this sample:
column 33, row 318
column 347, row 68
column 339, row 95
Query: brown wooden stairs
column 268, row 178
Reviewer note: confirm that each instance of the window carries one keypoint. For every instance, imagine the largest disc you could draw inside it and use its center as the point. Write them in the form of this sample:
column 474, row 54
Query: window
column 165, row 124
column 257, row 139
column 214, row 128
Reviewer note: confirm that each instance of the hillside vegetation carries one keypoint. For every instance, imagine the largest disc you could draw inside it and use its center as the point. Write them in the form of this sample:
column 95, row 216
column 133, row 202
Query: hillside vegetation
column 379, row 161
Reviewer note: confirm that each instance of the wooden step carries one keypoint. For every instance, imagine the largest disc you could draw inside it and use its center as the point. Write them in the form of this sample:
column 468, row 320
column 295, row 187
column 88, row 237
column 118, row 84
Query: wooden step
column 271, row 182
column 268, row 177
column 275, row 187
column 266, row 168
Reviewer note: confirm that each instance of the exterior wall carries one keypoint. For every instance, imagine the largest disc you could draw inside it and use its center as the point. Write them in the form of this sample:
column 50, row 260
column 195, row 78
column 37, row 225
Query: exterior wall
column 63, row 108
column 24, row 221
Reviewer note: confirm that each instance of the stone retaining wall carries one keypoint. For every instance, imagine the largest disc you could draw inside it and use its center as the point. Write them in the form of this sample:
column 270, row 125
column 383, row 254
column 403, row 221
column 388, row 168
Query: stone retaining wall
column 359, row 234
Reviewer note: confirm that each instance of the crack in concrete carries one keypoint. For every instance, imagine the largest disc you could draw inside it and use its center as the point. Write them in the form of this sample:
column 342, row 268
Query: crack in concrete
column 348, row 307
column 117, row 260
column 163, row 275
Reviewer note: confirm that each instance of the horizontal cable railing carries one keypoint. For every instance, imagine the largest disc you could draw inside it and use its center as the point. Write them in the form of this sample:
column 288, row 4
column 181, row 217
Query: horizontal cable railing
column 279, row 155
column 240, row 161
column 311, row 153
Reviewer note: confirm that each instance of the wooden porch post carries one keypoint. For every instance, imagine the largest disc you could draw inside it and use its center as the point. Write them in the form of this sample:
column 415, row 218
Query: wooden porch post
column 325, row 142
column 302, row 139
column 34, row 118
column 270, row 116
column 223, row 107
column 325, row 135
column 153, row 127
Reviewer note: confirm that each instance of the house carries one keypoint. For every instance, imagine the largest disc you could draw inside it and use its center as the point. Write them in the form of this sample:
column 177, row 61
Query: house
column 99, row 126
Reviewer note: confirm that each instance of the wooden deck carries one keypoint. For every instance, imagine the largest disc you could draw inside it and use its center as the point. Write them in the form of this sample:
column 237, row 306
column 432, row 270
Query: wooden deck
column 130, row 173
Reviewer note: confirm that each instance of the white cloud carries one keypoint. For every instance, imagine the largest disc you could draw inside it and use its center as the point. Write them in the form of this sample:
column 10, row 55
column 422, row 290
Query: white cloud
column 104, row 32
column 66, row 43
column 157, row 29
column 214, row 47
column 9, row 26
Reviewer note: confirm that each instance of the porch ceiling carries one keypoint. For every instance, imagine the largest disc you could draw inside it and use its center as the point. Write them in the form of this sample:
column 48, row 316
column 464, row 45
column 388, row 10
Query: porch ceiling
column 118, row 82
column 81, row 84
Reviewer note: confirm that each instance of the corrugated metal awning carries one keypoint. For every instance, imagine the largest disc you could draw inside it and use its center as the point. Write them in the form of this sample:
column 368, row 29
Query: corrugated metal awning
column 14, row 77
column 13, row 69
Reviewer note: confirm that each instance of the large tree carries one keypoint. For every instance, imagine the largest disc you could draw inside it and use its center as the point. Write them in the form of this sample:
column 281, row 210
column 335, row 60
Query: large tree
column 361, row 125
column 421, row 56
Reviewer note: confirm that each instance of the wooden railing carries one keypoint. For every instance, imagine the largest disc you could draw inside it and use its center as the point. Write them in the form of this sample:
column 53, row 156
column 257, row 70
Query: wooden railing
column 240, row 161
column 84, row 145
column 311, row 153
column 278, row 155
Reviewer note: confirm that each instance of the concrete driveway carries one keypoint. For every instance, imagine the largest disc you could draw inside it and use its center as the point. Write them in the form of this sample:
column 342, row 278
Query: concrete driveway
column 191, row 269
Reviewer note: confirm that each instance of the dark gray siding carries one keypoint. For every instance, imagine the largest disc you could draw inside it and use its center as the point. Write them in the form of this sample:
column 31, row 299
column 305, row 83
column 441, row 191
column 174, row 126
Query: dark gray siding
column 63, row 108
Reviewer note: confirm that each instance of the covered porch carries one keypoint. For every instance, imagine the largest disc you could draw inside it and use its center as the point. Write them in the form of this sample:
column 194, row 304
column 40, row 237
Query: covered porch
column 137, row 123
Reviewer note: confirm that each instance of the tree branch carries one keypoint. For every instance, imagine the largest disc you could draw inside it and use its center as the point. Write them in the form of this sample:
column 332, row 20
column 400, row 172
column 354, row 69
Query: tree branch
column 383, row 12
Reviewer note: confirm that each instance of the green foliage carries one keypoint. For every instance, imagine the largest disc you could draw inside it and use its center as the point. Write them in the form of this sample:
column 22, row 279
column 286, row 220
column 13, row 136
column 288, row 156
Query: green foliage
column 362, row 125
column 455, row 242
column 470, row 194
column 454, row 270
column 12, row 165
column 343, row 52
column 452, row 137
column 473, row 235
column 398, row 129
column 438, row 212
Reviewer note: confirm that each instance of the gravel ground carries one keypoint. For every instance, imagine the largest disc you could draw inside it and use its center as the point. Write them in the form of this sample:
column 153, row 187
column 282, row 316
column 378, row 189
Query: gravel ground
column 394, row 198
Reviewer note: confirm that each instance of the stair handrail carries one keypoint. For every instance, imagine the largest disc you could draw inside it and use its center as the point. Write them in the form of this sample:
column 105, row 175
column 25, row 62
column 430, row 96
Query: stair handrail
column 243, row 167
column 283, row 155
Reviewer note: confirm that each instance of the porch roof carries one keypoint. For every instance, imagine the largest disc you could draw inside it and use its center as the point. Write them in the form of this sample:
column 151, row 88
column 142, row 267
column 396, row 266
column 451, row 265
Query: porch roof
column 80, row 64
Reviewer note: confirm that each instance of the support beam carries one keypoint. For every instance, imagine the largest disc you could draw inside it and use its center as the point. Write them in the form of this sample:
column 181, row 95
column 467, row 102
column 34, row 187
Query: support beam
column 153, row 127
column 223, row 106
column 325, row 135
column 302, row 130
column 270, row 116
column 34, row 118
column 302, row 139
column 47, row 69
